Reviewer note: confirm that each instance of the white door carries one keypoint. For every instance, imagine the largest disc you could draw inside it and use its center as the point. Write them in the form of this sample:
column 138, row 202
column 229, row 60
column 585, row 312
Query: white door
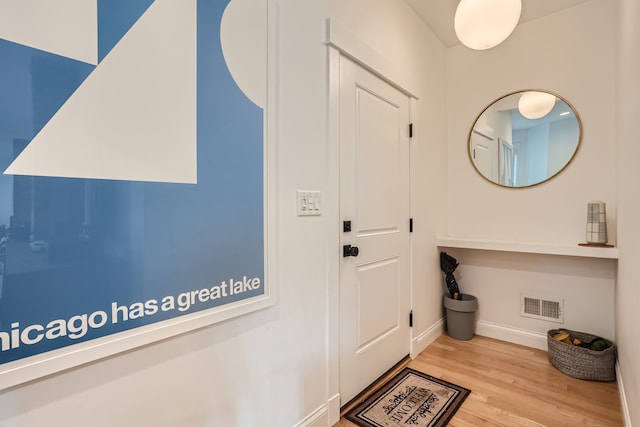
column 374, row 197
column 484, row 153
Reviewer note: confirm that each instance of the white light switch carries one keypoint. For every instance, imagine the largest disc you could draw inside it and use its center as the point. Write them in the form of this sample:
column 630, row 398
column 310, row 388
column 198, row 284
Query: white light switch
column 308, row 203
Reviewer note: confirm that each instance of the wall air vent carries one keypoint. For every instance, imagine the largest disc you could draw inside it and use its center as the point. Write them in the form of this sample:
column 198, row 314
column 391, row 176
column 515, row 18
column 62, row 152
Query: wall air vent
column 542, row 307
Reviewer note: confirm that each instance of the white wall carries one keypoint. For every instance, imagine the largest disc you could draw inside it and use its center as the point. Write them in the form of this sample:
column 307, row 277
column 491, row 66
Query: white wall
column 267, row 368
column 499, row 278
column 627, row 287
column 535, row 56
column 567, row 54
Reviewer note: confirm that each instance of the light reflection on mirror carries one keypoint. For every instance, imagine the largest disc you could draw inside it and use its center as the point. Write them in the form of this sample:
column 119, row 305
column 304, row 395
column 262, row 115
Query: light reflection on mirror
column 512, row 151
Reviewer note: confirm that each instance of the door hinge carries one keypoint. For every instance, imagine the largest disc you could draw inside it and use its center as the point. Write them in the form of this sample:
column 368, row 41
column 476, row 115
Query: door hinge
column 411, row 319
column 410, row 225
column 410, row 130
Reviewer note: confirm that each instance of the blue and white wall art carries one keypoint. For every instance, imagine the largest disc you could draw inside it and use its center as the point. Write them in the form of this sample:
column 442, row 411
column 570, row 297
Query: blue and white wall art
column 132, row 147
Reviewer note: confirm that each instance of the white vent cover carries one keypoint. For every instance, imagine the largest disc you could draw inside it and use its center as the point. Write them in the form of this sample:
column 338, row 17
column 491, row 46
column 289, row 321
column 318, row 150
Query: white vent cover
column 542, row 307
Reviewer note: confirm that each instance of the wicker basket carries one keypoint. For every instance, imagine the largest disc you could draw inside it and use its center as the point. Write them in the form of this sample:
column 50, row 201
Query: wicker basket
column 580, row 362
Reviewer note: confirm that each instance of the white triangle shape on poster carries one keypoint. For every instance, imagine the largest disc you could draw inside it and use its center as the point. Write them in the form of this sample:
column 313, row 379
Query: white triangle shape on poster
column 64, row 27
column 134, row 117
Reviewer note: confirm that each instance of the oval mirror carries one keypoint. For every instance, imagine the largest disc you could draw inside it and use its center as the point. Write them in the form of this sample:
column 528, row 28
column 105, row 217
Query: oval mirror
column 524, row 138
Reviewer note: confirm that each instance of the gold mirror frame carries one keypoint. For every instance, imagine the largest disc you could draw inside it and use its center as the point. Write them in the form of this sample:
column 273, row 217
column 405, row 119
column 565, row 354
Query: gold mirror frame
column 499, row 146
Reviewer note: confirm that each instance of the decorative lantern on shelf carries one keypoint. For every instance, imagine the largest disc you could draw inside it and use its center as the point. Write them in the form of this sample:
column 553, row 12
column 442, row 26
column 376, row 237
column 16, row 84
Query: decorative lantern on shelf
column 596, row 223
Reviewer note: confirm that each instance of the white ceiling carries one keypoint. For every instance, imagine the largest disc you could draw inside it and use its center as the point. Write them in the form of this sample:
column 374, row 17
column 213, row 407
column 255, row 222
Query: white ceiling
column 438, row 14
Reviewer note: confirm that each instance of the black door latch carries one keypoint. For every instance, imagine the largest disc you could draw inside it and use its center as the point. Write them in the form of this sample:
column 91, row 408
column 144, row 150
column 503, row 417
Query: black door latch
column 348, row 250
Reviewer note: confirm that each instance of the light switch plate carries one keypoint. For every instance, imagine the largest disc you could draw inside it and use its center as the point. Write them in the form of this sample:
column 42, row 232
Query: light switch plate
column 309, row 203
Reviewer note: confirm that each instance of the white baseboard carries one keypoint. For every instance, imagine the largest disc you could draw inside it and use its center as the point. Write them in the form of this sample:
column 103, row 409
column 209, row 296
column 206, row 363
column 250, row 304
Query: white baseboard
column 487, row 329
column 623, row 399
column 318, row 418
column 334, row 409
column 422, row 341
column 514, row 335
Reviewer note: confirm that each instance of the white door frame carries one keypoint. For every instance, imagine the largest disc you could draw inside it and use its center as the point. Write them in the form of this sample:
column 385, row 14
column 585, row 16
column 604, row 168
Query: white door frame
column 341, row 41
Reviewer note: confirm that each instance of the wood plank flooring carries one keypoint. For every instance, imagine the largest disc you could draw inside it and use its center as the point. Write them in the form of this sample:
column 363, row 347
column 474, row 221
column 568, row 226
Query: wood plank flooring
column 513, row 385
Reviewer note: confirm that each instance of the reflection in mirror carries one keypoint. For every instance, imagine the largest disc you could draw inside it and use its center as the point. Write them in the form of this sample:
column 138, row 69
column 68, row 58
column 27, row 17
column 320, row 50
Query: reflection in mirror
column 511, row 150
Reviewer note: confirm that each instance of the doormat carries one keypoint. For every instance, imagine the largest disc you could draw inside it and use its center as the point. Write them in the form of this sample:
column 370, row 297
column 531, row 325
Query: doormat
column 411, row 398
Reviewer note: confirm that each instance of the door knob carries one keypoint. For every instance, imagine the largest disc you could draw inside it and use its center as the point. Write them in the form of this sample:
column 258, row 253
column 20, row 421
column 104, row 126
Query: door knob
column 348, row 250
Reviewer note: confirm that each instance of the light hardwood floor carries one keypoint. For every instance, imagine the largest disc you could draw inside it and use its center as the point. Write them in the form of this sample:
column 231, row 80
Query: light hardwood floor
column 513, row 385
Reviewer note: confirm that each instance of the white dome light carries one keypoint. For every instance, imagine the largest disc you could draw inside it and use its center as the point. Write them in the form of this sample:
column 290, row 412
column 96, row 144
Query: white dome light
column 534, row 105
column 483, row 24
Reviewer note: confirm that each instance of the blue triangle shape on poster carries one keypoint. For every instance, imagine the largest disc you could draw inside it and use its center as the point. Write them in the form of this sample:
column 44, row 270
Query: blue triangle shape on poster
column 115, row 18
column 33, row 86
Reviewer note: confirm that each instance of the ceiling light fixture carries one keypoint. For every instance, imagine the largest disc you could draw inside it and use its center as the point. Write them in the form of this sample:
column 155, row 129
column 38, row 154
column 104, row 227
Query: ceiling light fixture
column 483, row 24
column 535, row 105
